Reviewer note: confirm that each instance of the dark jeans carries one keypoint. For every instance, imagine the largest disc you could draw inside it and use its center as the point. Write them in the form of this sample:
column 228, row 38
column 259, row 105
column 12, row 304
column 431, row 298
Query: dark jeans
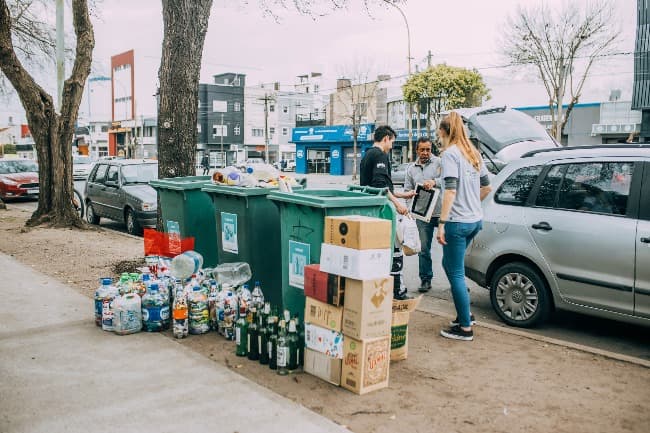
column 458, row 237
column 206, row 170
column 426, row 230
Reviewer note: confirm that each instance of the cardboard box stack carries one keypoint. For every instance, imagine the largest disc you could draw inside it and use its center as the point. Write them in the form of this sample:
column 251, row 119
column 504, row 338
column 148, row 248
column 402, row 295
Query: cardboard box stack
column 356, row 260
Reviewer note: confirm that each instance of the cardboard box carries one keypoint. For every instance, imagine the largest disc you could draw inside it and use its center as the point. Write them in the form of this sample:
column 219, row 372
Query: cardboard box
column 324, row 341
column 399, row 336
column 368, row 308
column 328, row 288
column 323, row 315
column 355, row 264
column 407, row 305
column 322, row 366
column 366, row 364
column 358, row 232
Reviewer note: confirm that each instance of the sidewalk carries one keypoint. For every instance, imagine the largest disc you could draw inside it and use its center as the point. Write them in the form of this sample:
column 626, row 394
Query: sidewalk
column 60, row 373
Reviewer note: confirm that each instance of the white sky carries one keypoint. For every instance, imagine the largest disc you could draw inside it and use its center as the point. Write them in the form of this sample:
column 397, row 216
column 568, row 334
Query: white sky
column 461, row 33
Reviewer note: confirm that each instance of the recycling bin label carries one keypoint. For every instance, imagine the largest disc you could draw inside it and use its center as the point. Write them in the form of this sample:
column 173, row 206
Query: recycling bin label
column 229, row 233
column 298, row 259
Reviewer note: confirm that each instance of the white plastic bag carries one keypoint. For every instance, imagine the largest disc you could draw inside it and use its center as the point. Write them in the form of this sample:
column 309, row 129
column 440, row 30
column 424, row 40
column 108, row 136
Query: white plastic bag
column 408, row 235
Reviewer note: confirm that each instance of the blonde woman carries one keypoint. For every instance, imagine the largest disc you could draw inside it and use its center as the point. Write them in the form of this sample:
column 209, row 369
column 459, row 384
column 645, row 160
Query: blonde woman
column 465, row 185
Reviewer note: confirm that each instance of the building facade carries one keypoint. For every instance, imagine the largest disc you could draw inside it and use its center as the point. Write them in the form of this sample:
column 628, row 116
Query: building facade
column 641, row 89
column 220, row 123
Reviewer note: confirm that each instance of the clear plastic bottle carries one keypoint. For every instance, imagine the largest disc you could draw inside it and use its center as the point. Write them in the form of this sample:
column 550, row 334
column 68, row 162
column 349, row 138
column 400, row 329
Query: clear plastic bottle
column 244, row 298
column 186, row 264
column 107, row 308
column 103, row 292
column 127, row 314
column 199, row 314
column 180, row 321
column 257, row 297
column 155, row 310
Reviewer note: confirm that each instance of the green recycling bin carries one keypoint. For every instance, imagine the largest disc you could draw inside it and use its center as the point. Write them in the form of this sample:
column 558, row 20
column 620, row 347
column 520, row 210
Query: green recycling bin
column 248, row 228
column 189, row 211
column 303, row 224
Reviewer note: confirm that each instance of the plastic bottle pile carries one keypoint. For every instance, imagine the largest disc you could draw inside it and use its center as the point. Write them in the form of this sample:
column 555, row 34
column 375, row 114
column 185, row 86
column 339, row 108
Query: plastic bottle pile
column 180, row 295
column 254, row 175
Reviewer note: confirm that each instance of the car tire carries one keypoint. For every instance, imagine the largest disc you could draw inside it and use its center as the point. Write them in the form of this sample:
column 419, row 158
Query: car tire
column 80, row 209
column 132, row 225
column 519, row 295
column 91, row 217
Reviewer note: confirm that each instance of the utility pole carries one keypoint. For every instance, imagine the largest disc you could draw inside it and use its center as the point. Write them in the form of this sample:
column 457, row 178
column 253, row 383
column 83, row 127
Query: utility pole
column 266, row 100
column 60, row 54
column 223, row 157
column 429, row 56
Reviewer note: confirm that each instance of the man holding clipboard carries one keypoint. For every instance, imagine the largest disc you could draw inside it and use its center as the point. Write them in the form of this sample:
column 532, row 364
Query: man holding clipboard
column 425, row 174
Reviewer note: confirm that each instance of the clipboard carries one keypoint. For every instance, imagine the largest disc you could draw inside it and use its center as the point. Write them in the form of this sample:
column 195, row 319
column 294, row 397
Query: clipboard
column 424, row 202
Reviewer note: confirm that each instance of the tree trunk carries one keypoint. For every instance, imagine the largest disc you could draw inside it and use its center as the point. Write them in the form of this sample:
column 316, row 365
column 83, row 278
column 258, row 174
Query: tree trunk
column 185, row 26
column 52, row 131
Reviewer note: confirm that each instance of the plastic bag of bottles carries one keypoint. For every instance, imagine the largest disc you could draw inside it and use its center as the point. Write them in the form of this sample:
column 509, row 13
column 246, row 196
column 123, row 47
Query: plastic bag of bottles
column 199, row 315
column 227, row 308
column 244, row 299
column 232, row 274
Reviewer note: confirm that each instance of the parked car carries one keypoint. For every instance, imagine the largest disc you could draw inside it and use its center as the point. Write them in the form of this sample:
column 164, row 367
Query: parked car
column 81, row 166
column 18, row 178
column 568, row 229
column 504, row 135
column 398, row 174
column 119, row 190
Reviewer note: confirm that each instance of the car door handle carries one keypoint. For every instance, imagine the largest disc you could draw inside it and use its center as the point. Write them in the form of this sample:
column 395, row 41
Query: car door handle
column 645, row 240
column 542, row 226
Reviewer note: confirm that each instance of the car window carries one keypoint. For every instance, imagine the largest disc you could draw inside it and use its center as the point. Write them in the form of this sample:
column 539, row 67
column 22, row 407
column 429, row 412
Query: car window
column 100, row 173
column 81, row 160
column 139, row 173
column 516, row 188
column 113, row 174
column 18, row 166
column 601, row 187
column 547, row 192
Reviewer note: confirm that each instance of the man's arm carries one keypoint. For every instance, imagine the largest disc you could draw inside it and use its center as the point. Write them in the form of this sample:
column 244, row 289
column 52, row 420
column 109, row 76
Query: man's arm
column 409, row 183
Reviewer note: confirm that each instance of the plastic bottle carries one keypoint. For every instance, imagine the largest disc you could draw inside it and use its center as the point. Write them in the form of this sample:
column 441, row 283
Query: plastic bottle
column 102, row 293
column 257, row 297
column 213, row 305
column 155, row 310
column 127, row 314
column 107, row 308
column 283, row 350
column 241, row 334
column 244, row 298
column 199, row 316
column 186, row 264
column 180, row 322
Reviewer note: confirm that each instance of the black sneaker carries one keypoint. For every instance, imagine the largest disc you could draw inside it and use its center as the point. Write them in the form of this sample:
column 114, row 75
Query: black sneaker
column 455, row 322
column 457, row 333
column 425, row 287
column 401, row 296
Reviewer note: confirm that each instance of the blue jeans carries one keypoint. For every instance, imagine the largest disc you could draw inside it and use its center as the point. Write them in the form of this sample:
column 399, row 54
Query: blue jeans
column 458, row 237
column 426, row 236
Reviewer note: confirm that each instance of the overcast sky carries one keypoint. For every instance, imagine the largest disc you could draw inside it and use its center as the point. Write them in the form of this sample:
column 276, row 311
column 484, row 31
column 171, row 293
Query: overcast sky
column 241, row 39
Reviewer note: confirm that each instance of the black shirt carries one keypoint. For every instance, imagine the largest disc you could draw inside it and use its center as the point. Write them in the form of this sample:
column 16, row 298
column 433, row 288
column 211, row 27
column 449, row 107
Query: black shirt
column 375, row 169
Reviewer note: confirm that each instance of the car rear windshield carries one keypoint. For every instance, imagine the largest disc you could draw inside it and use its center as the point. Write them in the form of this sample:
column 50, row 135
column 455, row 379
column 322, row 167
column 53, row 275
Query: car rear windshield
column 82, row 160
column 511, row 126
column 11, row 167
column 139, row 173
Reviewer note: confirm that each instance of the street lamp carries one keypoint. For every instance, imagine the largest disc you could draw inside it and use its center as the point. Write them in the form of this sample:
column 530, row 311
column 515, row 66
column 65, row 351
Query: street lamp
column 410, row 106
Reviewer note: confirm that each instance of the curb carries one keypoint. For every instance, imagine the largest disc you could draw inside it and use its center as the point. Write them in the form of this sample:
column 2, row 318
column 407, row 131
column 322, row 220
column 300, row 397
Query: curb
column 507, row 330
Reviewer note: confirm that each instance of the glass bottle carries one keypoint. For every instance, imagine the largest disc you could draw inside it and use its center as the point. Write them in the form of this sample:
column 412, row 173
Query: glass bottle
column 241, row 333
column 272, row 345
column 292, row 338
column 283, row 349
column 263, row 338
column 253, row 336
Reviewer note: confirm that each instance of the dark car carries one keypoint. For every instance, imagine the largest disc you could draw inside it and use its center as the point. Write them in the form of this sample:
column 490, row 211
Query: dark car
column 119, row 190
column 18, row 178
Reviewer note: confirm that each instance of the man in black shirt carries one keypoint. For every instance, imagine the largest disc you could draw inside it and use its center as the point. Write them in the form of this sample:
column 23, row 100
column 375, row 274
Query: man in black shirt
column 375, row 172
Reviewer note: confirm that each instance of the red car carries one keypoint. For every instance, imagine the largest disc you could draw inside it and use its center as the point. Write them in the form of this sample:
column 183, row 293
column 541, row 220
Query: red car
column 18, row 178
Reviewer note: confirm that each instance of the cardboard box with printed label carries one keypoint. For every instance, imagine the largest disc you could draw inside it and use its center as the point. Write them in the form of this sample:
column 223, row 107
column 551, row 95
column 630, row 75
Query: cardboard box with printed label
column 323, row 340
column 328, row 288
column 407, row 305
column 366, row 364
column 322, row 366
column 322, row 314
column 358, row 232
column 355, row 264
column 368, row 307
column 399, row 348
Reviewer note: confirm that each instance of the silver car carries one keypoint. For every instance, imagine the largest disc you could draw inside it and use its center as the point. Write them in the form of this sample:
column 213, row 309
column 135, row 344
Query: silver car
column 569, row 229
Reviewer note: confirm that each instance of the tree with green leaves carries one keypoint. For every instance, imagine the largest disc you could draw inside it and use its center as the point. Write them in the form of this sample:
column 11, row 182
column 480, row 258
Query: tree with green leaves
column 443, row 87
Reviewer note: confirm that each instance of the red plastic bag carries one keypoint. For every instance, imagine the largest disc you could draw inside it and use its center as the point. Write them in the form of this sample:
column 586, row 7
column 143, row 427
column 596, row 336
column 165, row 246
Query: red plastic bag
column 165, row 244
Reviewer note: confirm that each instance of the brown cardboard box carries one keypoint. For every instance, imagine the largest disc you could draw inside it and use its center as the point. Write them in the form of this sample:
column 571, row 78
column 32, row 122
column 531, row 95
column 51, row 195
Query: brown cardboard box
column 322, row 366
column 407, row 305
column 365, row 364
column 323, row 315
column 358, row 232
column 399, row 337
column 328, row 288
column 367, row 310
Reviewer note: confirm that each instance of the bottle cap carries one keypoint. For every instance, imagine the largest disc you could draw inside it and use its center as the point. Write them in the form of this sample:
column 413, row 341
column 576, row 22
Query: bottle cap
column 146, row 277
column 106, row 281
column 154, row 287
column 292, row 326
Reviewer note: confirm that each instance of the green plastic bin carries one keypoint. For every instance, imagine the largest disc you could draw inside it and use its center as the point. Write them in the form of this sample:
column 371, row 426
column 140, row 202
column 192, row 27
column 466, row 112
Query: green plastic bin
column 185, row 207
column 303, row 224
column 248, row 228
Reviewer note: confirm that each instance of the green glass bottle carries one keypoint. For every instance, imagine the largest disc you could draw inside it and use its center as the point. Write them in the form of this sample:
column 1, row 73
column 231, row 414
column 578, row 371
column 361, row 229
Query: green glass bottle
column 283, row 349
column 241, row 333
column 293, row 346
column 253, row 336
column 272, row 344
column 301, row 340
column 263, row 338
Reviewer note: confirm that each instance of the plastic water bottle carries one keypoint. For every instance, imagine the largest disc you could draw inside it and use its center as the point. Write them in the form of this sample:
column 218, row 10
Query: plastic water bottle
column 257, row 297
column 199, row 314
column 102, row 293
column 180, row 322
column 155, row 310
column 107, row 308
column 186, row 264
column 244, row 299
column 127, row 314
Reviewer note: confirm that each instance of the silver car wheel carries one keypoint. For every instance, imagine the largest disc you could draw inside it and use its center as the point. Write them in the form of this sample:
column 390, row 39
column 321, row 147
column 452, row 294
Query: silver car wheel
column 517, row 296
